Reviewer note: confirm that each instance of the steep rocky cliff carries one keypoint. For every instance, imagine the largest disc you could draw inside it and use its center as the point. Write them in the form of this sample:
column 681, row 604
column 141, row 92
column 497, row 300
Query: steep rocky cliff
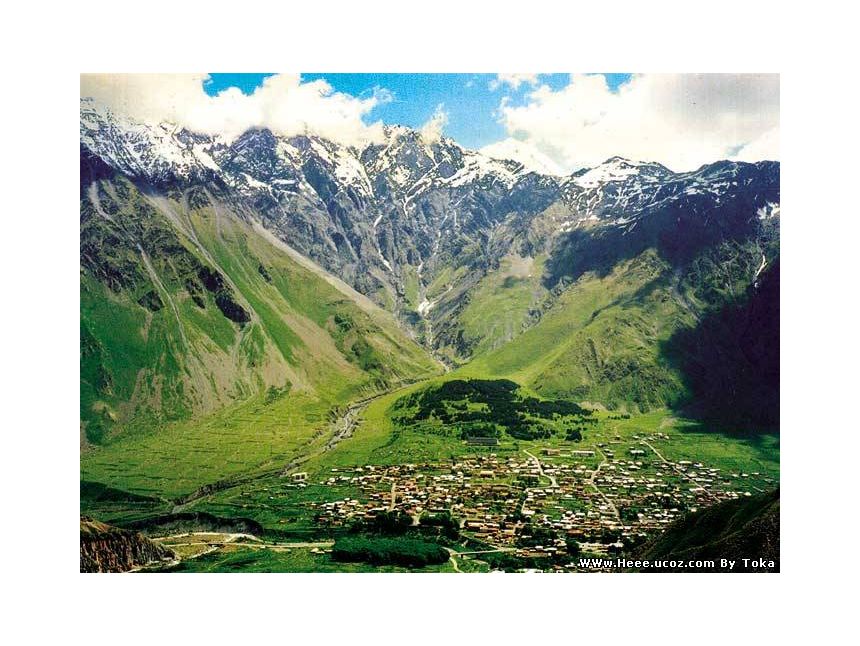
column 110, row 549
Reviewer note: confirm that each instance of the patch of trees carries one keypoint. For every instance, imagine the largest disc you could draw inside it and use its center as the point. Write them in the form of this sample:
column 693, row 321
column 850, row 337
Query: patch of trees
column 349, row 340
column 385, row 523
column 629, row 514
column 407, row 552
column 273, row 393
column 573, row 435
column 482, row 406
column 343, row 322
column 509, row 562
column 634, row 540
column 363, row 354
column 608, row 535
column 665, row 502
column 478, row 429
column 529, row 430
column 533, row 536
column 151, row 301
column 443, row 524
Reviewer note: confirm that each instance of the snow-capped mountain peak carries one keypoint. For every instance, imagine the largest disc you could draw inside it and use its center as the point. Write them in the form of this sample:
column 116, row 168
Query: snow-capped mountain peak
column 369, row 214
column 614, row 169
column 142, row 149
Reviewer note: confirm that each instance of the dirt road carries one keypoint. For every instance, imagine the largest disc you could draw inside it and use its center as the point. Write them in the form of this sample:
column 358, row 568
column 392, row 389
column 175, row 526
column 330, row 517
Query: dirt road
column 552, row 480
column 677, row 470
column 597, row 489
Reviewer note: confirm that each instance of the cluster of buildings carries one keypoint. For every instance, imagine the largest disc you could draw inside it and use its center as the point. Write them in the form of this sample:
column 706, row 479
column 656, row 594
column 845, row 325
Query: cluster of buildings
column 536, row 504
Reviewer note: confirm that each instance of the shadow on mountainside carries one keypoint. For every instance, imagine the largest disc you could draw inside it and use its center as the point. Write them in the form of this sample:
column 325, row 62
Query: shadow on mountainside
column 730, row 360
column 679, row 229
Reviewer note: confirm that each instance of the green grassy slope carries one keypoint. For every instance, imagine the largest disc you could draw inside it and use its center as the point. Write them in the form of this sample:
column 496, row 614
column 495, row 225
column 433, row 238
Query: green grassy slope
column 608, row 338
column 501, row 304
column 205, row 348
column 600, row 341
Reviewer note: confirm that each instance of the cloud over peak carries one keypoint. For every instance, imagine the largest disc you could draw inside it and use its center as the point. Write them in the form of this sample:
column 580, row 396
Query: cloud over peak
column 283, row 103
column 555, row 122
column 433, row 129
column 680, row 120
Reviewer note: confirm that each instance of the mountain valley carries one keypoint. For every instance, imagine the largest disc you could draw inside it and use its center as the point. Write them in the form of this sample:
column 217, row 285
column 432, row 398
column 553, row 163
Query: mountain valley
column 259, row 318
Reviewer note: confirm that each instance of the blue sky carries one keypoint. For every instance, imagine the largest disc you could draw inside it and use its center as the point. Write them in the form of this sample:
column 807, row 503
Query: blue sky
column 470, row 100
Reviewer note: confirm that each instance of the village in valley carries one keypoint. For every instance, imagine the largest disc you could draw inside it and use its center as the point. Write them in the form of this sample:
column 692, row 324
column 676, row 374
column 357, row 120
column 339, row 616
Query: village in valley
column 557, row 489
column 545, row 504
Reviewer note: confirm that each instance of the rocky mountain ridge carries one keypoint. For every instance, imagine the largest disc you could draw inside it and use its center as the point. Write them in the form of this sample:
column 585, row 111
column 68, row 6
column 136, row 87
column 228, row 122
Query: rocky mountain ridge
column 415, row 223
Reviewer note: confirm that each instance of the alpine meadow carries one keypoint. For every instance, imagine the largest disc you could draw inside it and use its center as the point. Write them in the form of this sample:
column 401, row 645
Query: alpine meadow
column 320, row 334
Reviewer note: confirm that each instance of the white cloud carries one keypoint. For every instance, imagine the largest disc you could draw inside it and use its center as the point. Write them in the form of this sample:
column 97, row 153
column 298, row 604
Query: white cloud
column 432, row 130
column 764, row 147
column 513, row 80
column 523, row 152
column 282, row 103
column 682, row 121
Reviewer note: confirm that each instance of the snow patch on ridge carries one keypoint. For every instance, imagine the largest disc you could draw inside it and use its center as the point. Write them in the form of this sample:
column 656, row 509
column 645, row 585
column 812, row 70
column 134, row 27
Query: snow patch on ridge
column 769, row 210
column 424, row 307
column 477, row 167
column 613, row 170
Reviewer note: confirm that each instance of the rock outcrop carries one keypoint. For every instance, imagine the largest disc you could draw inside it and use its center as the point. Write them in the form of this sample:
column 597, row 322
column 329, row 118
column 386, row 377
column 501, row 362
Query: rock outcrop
column 105, row 548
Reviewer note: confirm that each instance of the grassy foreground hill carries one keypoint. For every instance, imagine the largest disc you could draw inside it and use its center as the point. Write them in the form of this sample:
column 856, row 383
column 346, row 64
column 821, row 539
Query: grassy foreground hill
column 736, row 530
